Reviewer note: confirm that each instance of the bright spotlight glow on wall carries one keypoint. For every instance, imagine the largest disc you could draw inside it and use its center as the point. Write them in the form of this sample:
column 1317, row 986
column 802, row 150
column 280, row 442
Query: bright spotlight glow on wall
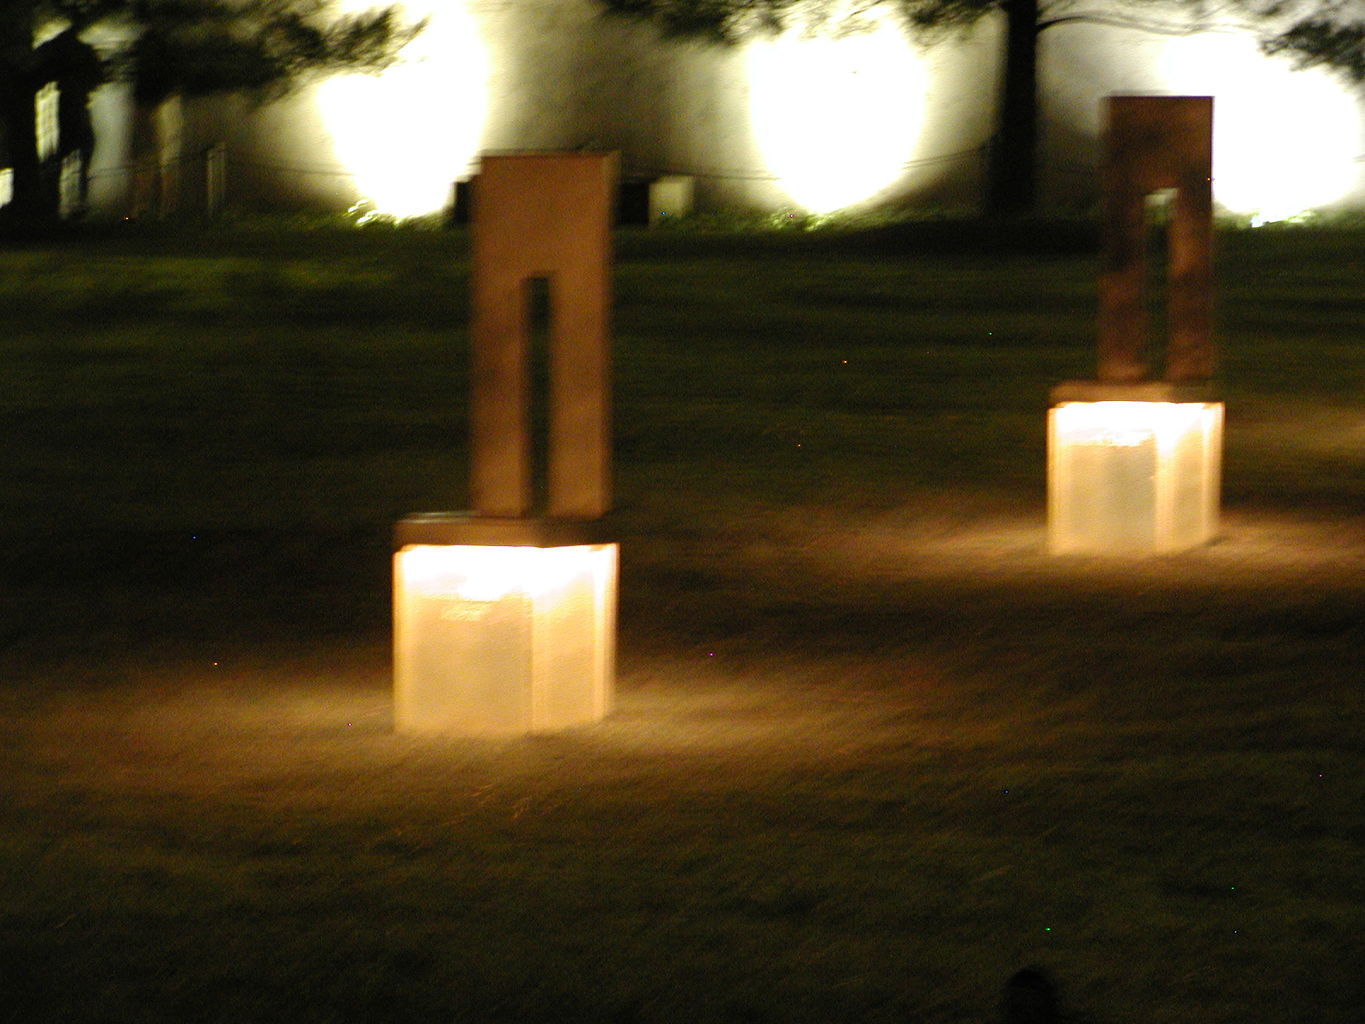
column 1284, row 141
column 836, row 119
column 410, row 132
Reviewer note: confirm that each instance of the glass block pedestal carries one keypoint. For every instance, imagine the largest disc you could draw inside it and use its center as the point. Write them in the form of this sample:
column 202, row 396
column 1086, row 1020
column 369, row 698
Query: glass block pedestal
column 502, row 627
column 1132, row 468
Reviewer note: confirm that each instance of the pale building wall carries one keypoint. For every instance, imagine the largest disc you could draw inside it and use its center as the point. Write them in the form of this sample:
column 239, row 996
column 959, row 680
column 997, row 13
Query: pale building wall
column 1284, row 140
column 545, row 74
column 111, row 161
column 557, row 74
column 562, row 76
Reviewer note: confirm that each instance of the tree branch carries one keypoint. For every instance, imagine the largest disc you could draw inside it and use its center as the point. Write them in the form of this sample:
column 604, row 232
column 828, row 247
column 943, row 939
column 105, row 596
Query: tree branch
column 1163, row 28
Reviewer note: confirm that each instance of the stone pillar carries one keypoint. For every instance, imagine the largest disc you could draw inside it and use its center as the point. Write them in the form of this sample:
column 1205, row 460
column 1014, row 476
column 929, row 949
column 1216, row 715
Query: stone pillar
column 541, row 216
column 1154, row 143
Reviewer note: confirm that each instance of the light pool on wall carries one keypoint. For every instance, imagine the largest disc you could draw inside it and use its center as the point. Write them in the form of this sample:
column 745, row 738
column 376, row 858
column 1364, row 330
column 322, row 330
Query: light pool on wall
column 836, row 119
column 409, row 133
column 1284, row 141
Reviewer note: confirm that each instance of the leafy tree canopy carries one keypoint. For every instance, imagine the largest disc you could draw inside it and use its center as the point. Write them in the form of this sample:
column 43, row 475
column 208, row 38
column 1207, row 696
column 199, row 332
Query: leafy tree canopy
column 259, row 47
column 731, row 21
column 1314, row 32
column 1334, row 37
column 165, row 48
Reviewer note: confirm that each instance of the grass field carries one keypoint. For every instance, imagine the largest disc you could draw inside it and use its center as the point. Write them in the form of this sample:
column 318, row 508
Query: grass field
column 874, row 750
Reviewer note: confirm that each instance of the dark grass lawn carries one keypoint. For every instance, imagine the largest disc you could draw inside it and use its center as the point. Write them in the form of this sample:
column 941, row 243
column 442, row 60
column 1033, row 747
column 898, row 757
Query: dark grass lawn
column 874, row 750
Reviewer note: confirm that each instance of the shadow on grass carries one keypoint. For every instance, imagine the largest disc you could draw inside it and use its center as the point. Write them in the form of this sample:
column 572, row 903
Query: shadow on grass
column 861, row 769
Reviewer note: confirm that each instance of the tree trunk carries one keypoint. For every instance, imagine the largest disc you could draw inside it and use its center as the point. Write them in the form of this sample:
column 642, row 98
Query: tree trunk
column 34, row 200
column 1012, row 187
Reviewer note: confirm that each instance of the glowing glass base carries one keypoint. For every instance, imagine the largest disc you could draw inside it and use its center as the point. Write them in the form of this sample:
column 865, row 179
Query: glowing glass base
column 502, row 640
column 1132, row 477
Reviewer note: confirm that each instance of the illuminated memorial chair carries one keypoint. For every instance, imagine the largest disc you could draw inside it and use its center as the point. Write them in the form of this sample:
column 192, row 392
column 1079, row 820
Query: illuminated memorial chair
column 504, row 619
column 1134, row 463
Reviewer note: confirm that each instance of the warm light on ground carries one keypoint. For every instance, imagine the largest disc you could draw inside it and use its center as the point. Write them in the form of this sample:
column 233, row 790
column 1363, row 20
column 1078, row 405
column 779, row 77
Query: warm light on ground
column 836, row 119
column 1284, row 141
column 408, row 134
